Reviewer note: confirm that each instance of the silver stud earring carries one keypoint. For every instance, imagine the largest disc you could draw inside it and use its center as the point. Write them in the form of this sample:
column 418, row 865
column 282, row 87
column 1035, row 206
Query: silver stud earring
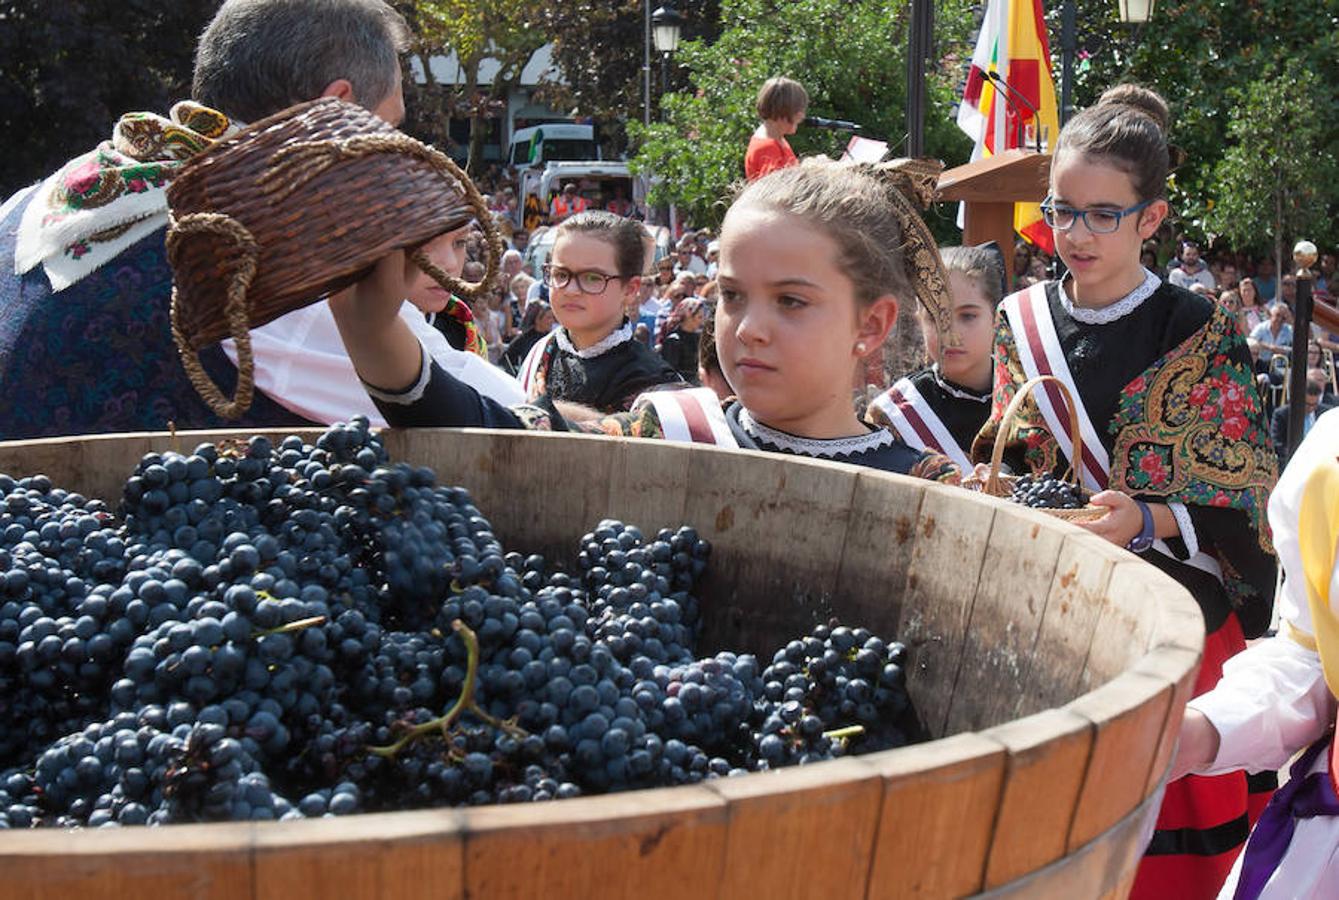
column 860, row 347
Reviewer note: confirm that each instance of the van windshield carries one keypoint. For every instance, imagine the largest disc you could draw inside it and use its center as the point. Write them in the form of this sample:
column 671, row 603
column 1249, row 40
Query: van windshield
column 559, row 149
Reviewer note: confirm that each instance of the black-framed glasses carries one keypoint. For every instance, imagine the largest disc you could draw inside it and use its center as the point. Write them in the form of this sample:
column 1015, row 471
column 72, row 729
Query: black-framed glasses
column 1097, row 221
column 588, row 281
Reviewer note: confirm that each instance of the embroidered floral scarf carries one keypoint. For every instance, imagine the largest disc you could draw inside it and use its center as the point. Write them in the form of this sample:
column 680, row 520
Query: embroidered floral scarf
column 460, row 311
column 100, row 203
column 1192, row 429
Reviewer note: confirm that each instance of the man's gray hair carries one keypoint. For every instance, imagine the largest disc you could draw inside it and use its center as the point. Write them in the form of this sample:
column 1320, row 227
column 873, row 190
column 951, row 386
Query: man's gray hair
column 258, row 57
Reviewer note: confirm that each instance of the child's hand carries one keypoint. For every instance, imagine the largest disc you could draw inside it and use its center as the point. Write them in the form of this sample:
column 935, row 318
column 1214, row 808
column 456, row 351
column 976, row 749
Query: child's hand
column 376, row 299
column 383, row 350
column 1123, row 520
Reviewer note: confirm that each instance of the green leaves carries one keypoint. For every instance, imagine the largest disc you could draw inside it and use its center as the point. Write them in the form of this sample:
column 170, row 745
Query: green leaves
column 1277, row 174
column 849, row 54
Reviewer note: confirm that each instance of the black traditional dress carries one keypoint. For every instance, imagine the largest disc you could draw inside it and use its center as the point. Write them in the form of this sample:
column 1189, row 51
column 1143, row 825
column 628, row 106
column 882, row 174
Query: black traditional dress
column 437, row 399
column 606, row 376
column 1171, row 415
column 932, row 413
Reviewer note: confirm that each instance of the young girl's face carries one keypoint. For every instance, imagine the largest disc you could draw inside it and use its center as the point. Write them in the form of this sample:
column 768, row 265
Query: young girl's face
column 449, row 253
column 973, row 323
column 787, row 322
column 589, row 316
column 1102, row 265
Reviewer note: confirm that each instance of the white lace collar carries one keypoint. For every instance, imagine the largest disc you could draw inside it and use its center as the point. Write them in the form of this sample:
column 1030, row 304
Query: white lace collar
column 600, row 347
column 954, row 390
column 1118, row 310
column 824, row 447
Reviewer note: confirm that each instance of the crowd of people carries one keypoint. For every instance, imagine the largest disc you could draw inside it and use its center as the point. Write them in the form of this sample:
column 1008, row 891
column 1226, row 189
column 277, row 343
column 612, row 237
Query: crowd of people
column 756, row 337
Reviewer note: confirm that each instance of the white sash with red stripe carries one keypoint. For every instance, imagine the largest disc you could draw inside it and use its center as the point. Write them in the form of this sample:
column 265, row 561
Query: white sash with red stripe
column 690, row 416
column 530, row 367
column 1039, row 351
column 917, row 423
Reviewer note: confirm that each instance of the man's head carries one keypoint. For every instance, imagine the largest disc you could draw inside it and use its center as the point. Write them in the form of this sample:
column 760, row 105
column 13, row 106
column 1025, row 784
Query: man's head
column 569, row 190
column 1288, row 289
column 1315, row 388
column 1278, row 315
column 1229, row 277
column 258, row 57
column 1190, row 253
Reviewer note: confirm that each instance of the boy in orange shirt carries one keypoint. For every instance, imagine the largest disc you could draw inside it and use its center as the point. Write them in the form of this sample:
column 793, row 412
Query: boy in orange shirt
column 781, row 106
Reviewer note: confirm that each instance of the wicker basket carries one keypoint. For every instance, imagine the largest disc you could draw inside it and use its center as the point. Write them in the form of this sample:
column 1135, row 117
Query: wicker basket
column 998, row 485
column 297, row 206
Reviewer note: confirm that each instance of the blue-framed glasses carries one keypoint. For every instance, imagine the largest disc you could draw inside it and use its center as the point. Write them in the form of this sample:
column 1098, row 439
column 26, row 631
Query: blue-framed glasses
column 1097, row 221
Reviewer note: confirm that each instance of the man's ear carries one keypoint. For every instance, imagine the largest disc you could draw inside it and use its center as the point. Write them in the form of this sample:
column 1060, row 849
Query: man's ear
column 876, row 320
column 340, row 89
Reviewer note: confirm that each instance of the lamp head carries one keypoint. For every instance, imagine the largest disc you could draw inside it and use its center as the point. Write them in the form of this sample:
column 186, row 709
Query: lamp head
column 666, row 25
column 1304, row 255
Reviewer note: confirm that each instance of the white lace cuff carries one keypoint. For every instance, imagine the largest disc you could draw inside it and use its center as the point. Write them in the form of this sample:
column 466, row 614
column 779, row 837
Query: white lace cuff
column 1187, row 527
column 411, row 394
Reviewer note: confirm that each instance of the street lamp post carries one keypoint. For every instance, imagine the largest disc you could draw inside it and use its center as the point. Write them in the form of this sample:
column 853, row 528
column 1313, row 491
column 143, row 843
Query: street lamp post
column 1304, row 255
column 646, row 64
column 667, row 25
column 1131, row 12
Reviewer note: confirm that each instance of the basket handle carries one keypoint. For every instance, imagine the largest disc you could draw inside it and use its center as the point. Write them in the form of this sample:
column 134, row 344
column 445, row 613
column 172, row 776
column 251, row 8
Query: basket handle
column 1006, row 424
column 236, row 311
column 492, row 238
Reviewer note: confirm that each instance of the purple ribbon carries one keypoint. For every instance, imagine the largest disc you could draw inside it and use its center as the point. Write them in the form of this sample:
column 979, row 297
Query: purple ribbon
column 1303, row 797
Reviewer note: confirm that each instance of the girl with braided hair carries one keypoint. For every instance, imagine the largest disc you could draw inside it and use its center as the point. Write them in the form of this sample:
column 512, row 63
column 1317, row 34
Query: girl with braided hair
column 811, row 273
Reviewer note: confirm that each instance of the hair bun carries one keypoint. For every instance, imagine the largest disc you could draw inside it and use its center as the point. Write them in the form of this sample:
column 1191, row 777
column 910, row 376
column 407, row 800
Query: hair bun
column 1140, row 99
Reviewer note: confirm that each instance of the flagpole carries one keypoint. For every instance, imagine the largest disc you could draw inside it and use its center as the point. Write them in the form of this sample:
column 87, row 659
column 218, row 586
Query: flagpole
column 1068, row 42
column 918, row 49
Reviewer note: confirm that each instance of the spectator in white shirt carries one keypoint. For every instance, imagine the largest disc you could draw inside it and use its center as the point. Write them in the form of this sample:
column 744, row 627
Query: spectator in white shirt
column 1192, row 269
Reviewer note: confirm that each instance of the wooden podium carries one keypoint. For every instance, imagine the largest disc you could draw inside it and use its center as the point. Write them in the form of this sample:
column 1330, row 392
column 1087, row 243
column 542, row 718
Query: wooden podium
column 990, row 187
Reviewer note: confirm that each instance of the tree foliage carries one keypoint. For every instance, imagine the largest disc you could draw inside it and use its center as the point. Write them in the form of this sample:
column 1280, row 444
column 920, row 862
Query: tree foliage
column 506, row 31
column 68, row 70
column 1272, row 179
column 1204, row 56
column 599, row 47
column 849, row 54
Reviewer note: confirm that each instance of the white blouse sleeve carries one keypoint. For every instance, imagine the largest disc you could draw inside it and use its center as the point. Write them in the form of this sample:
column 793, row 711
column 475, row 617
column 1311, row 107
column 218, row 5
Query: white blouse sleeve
column 301, row 364
column 1271, row 702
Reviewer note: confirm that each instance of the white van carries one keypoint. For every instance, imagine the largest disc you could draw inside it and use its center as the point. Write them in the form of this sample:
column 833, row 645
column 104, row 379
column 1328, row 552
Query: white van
column 598, row 181
column 540, row 145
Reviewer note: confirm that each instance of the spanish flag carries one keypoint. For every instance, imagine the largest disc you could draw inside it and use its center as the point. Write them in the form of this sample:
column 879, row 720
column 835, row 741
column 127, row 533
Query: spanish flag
column 1013, row 44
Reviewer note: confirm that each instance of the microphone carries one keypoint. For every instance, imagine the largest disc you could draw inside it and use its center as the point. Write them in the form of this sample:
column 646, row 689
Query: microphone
column 835, row 124
column 1017, row 96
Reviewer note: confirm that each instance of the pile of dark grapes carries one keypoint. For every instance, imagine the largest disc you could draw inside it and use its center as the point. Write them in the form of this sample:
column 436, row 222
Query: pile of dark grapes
column 275, row 632
column 1045, row 491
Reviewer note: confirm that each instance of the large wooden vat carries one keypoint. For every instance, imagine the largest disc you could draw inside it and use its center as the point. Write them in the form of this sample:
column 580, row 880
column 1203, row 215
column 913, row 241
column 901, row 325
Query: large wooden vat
column 1051, row 667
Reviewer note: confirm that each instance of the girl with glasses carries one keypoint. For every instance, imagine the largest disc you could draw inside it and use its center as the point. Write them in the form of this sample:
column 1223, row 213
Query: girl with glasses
column 593, row 274
column 1175, row 441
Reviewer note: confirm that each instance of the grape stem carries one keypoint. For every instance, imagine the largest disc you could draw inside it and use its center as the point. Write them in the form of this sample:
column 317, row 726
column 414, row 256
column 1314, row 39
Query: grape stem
column 464, row 703
column 293, row 627
column 841, row 734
